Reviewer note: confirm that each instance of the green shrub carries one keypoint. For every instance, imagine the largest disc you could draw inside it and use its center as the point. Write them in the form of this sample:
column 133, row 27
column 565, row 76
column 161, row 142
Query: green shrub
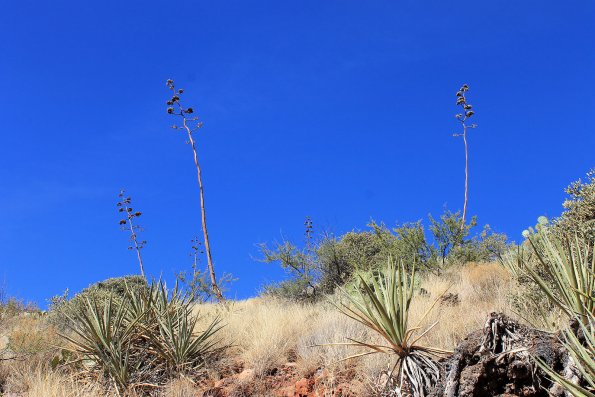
column 101, row 293
column 486, row 247
column 333, row 261
column 579, row 208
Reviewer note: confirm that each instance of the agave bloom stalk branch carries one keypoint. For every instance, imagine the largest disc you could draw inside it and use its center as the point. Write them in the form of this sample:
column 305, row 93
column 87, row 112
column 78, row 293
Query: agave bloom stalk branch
column 463, row 117
column 137, row 248
column 128, row 224
column 183, row 113
column 214, row 286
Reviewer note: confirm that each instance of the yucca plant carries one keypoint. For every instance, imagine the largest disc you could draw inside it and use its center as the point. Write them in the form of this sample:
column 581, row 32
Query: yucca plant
column 173, row 338
column 564, row 269
column 582, row 353
column 382, row 304
column 565, row 272
column 143, row 339
column 179, row 346
column 101, row 336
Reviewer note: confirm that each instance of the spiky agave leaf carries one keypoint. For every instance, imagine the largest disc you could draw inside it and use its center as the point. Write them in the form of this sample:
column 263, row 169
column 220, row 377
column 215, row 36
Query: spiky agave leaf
column 138, row 339
column 179, row 345
column 569, row 263
column 169, row 329
column 101, row 335
column 382, row 304
column 583, row 356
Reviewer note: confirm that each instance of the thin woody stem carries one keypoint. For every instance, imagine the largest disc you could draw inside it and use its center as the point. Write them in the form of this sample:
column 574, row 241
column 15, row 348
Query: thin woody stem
column 466, row 177
column 134, row 240
column 214, row 286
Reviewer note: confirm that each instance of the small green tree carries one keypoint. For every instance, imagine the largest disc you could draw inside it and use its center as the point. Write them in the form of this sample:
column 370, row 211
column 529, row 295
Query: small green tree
column 486, row 247
column 298, row 264
column 407, row 242
column 340, row 257
column 448, row 233
column 196, row 283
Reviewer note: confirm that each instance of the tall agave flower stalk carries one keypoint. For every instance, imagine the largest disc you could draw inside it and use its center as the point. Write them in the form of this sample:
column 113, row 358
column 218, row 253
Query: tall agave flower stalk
column 382, row 304
column 191, row 124
column 463, row 117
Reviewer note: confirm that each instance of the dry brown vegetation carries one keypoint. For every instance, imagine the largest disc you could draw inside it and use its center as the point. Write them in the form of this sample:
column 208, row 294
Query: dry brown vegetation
column 274, row 344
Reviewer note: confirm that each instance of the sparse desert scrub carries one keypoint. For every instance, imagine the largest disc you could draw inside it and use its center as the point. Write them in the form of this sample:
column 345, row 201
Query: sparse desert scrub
column 265, row 334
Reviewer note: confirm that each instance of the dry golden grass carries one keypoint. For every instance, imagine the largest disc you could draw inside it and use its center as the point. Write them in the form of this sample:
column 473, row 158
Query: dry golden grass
column 41, row 382
column 481, row 289
column 179, row 388
column 265, row 334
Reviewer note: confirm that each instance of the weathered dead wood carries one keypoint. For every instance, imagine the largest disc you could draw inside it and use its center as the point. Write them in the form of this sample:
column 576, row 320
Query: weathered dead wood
column 497, row 361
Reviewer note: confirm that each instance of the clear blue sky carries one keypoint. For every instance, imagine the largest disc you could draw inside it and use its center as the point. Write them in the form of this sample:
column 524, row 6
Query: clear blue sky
column 341, row 110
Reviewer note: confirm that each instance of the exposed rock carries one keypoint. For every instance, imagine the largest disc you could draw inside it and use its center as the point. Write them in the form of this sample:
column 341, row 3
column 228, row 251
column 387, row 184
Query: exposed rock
column 246, row 375
column 450, row 299
column 303, row 387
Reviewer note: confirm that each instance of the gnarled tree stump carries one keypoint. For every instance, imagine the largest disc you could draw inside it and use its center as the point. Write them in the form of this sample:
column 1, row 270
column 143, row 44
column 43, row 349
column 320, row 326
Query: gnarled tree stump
column 497, row 361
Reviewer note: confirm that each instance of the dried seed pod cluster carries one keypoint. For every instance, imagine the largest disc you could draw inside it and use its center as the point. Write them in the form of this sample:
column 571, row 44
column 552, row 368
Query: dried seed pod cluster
column 173, row 104
column 462, row 102
column 127, row 224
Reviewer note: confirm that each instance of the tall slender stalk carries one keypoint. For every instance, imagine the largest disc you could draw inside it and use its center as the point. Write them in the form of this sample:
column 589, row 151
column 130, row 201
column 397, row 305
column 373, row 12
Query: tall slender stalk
column 183, row 113
column 128, row 225
column 463, row 117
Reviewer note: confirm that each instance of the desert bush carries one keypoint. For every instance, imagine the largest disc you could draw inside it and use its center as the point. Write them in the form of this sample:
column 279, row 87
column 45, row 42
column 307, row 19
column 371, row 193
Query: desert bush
column 448, row 233
column 579, row 208
column 333, row 261
column 301, row 267
column 485, row 247
column 406, row 242
column 115, row 289
column 339, row 257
